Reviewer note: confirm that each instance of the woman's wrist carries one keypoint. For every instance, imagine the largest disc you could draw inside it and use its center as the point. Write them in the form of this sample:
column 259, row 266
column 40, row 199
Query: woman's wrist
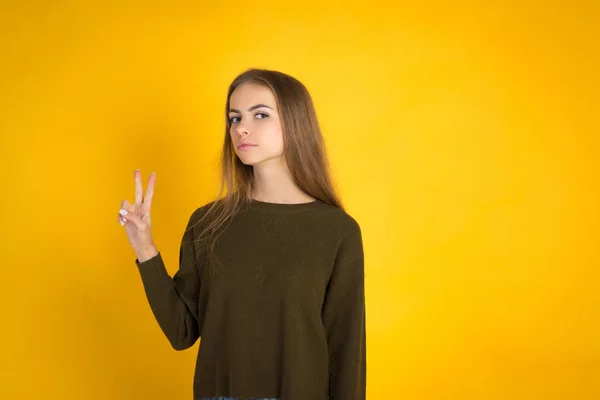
column 146, row 253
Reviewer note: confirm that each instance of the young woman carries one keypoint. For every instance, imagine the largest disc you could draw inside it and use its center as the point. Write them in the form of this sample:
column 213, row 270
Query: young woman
column 271, row 274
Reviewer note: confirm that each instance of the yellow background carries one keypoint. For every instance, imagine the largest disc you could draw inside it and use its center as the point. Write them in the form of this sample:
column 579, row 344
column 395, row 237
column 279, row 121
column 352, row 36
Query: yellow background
column 464, row 138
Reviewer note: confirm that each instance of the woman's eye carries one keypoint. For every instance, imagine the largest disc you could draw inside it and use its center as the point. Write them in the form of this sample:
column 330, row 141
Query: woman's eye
column 265, row 115
column 233, row 120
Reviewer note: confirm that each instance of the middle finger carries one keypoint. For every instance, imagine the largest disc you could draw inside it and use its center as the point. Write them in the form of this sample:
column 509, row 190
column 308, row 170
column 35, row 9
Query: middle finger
column 149, row 191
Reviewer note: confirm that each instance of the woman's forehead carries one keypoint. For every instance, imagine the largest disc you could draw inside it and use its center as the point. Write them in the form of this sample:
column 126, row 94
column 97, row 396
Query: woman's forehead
column 248, row 94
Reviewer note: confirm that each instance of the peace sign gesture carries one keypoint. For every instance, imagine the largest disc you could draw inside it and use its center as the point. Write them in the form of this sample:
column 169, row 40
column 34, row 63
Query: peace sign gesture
column 136, row 217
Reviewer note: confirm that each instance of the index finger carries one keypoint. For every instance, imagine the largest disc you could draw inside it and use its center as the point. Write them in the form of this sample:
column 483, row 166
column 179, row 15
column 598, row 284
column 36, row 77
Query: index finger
column 138, row 187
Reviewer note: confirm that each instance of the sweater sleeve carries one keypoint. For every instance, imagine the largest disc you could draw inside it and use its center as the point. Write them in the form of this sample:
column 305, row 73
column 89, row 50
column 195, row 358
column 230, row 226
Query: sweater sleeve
column 344, row 320
column 174, row 301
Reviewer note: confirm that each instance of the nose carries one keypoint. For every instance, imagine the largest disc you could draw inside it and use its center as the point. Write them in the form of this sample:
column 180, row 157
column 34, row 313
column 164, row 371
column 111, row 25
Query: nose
column 242, row 130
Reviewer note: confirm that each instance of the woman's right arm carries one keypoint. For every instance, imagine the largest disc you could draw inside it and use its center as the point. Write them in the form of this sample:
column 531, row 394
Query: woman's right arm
column 174, row 301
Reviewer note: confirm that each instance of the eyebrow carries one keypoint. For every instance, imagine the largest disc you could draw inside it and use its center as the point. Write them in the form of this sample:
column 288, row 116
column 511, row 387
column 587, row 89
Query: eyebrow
column 254, row 107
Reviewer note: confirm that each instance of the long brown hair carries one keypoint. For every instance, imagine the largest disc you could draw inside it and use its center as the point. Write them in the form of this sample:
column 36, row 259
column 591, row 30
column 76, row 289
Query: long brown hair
column 304, row 150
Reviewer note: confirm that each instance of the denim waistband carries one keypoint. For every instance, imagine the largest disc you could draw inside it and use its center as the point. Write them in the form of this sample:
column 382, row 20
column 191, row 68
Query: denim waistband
column 237, row 398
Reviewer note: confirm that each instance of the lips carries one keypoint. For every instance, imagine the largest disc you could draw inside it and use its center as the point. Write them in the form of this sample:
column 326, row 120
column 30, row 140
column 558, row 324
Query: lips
column 244, row 146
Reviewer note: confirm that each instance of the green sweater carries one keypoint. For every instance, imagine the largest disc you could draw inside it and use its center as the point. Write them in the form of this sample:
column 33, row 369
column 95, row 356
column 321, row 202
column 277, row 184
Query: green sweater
column 285, row 319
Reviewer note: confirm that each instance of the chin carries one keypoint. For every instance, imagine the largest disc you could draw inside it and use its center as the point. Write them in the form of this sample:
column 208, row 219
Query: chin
column 249, row 160
column 253, row 160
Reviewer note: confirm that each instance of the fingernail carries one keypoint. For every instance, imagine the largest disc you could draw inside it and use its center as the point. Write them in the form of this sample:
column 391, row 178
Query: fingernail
column 122, row 212
column 121, row 223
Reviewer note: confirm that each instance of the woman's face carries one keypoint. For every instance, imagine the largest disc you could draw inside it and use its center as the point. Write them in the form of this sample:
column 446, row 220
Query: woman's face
column 255, row 125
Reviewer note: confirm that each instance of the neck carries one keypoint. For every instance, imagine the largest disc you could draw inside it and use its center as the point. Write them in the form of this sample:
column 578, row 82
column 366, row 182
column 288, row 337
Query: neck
column 273, row 183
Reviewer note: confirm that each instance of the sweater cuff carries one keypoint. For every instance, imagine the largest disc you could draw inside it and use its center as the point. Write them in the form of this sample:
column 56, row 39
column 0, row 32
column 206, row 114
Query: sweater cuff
column 153, row 269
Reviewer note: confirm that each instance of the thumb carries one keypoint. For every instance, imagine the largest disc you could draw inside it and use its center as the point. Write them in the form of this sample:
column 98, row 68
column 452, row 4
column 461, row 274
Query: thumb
column 132, row 218
column 126, row 205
